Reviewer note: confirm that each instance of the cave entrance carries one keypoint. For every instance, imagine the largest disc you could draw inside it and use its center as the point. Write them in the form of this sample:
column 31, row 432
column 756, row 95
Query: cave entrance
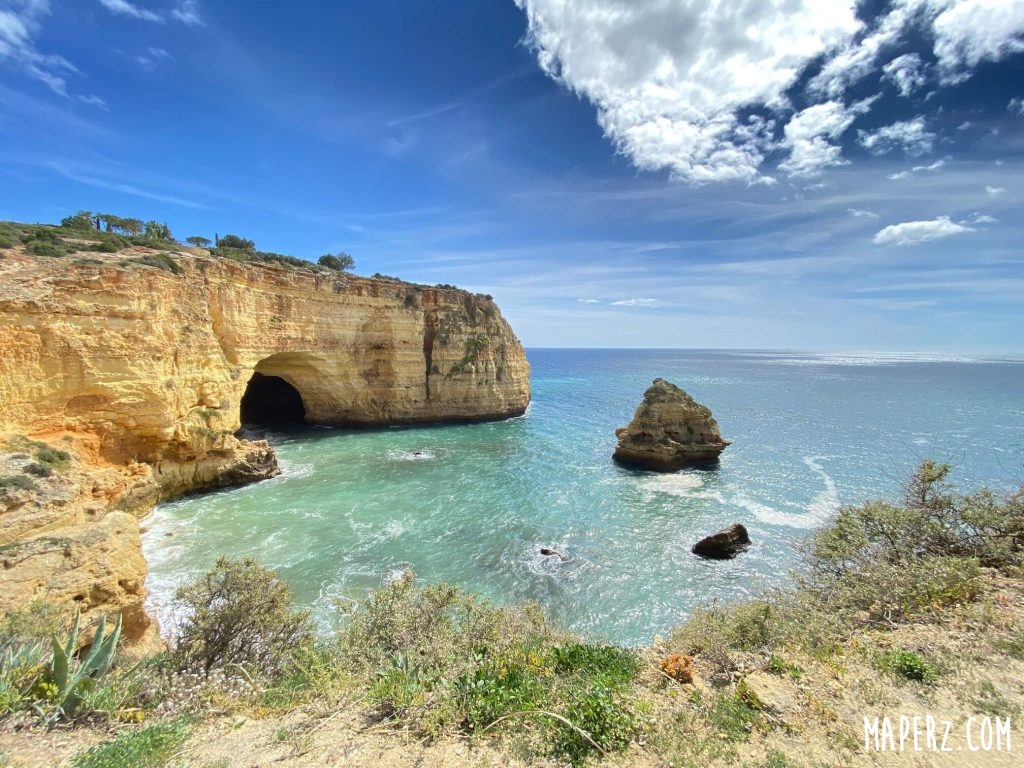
column 271, row 400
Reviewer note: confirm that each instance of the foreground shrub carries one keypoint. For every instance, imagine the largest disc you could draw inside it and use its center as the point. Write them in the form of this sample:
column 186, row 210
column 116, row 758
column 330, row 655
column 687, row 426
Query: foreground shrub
column 877, row 563
column 68, row 680
column 439, row 625
column 151, row 747
column 240, row 613
column 39, row 671
column 909, row 665
column 441, row 660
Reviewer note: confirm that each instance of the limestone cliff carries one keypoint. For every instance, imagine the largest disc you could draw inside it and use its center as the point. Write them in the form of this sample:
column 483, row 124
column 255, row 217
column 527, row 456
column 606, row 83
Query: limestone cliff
column 139, row 372
column 670, row 430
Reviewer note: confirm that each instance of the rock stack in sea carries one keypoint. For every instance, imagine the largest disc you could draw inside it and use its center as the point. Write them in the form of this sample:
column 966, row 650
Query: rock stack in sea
column 670, row 431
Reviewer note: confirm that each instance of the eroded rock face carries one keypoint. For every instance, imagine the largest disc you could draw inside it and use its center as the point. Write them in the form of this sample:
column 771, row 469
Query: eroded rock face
column 669, row 431
column 725, row 544
column 140, row 373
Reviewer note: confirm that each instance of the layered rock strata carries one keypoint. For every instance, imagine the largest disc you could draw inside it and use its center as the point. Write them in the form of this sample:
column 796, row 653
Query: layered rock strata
column 139, row 374
column 669, row 431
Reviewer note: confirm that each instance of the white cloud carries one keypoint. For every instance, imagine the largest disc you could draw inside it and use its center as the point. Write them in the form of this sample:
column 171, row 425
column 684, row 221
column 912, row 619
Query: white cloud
column 588, row 301
column 669, row 79
column 674, row 82
column 859, row 213
column 124, row 8
column 965, row 125
column 914, row 232
column 909, row 135
column 152, row 57
column 94, row 101
column 637, row 303
column 965, row 33
column 995, row 191
column 187, row 12
column 983, row 218
column 1016, row 105
column 20, row 22
column 918, row 169
column 906, row 73
column 811, row 133
column 968, row 32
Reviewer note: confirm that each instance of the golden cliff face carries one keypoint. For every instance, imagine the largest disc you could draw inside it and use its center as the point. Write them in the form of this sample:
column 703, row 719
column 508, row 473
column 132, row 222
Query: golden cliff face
column 140, row 373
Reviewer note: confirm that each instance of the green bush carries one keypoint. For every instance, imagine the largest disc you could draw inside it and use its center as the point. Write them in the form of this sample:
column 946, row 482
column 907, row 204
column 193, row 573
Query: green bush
column 909, row 665
column 439, row 625
column 109, row 244
column 158, row 260
column 53, row 458
column 240, row 613
column 151, row 747
column 18, row 482
column 340, row 262
column 45, row 248
column 6, row 242
column 1013, row 646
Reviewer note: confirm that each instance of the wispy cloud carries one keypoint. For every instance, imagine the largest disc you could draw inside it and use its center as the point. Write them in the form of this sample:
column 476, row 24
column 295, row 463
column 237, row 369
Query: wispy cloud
column 20, row 23
column 909, row 135
column 860, row 213
column 458, row 102
column 994, row 191
column 125, row 8
column 152, row 57
column 914, row 232
column 94, row 101
column 74, row 173
column 906, row 72
column 637, row 303
column 187, row 12
column 941, row 162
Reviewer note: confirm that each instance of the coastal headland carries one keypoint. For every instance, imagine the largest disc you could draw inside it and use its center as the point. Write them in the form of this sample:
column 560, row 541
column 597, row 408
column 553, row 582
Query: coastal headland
column 123, row 377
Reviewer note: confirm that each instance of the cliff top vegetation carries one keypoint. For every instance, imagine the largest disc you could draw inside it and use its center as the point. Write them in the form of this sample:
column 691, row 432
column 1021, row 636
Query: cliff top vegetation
column 87, row 232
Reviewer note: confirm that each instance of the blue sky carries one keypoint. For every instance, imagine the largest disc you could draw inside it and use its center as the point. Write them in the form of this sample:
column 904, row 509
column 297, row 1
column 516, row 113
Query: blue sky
column 753, row 174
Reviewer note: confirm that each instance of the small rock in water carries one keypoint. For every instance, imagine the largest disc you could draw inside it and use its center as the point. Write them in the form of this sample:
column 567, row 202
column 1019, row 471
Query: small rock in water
column 549, row 552
column 725, row 544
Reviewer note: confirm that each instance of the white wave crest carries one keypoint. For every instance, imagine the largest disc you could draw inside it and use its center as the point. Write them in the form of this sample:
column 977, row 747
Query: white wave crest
column 411, row 455
column 681, row 485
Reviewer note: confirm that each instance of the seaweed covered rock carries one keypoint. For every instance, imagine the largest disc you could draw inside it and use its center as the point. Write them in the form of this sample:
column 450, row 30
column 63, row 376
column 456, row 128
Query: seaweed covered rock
column 669, row 431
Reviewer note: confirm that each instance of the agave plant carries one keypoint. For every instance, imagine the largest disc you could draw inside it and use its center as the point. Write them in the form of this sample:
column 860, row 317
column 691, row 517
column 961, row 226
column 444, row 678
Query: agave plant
column 73, row 679
column 20, row 668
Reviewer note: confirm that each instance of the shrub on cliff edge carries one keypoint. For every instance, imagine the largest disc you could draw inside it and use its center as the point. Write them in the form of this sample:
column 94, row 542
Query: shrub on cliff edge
column 240, row 613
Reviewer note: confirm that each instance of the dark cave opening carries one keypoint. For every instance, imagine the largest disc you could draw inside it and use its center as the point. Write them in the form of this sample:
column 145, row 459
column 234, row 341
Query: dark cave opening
column 272, row 400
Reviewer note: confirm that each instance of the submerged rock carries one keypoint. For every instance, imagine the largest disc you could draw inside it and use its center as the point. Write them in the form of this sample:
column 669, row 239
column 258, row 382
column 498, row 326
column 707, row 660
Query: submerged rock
column 725, row 544
column 670, row 430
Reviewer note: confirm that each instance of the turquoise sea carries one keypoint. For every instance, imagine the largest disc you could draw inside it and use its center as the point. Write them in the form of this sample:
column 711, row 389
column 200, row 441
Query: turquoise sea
column 473, row 504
